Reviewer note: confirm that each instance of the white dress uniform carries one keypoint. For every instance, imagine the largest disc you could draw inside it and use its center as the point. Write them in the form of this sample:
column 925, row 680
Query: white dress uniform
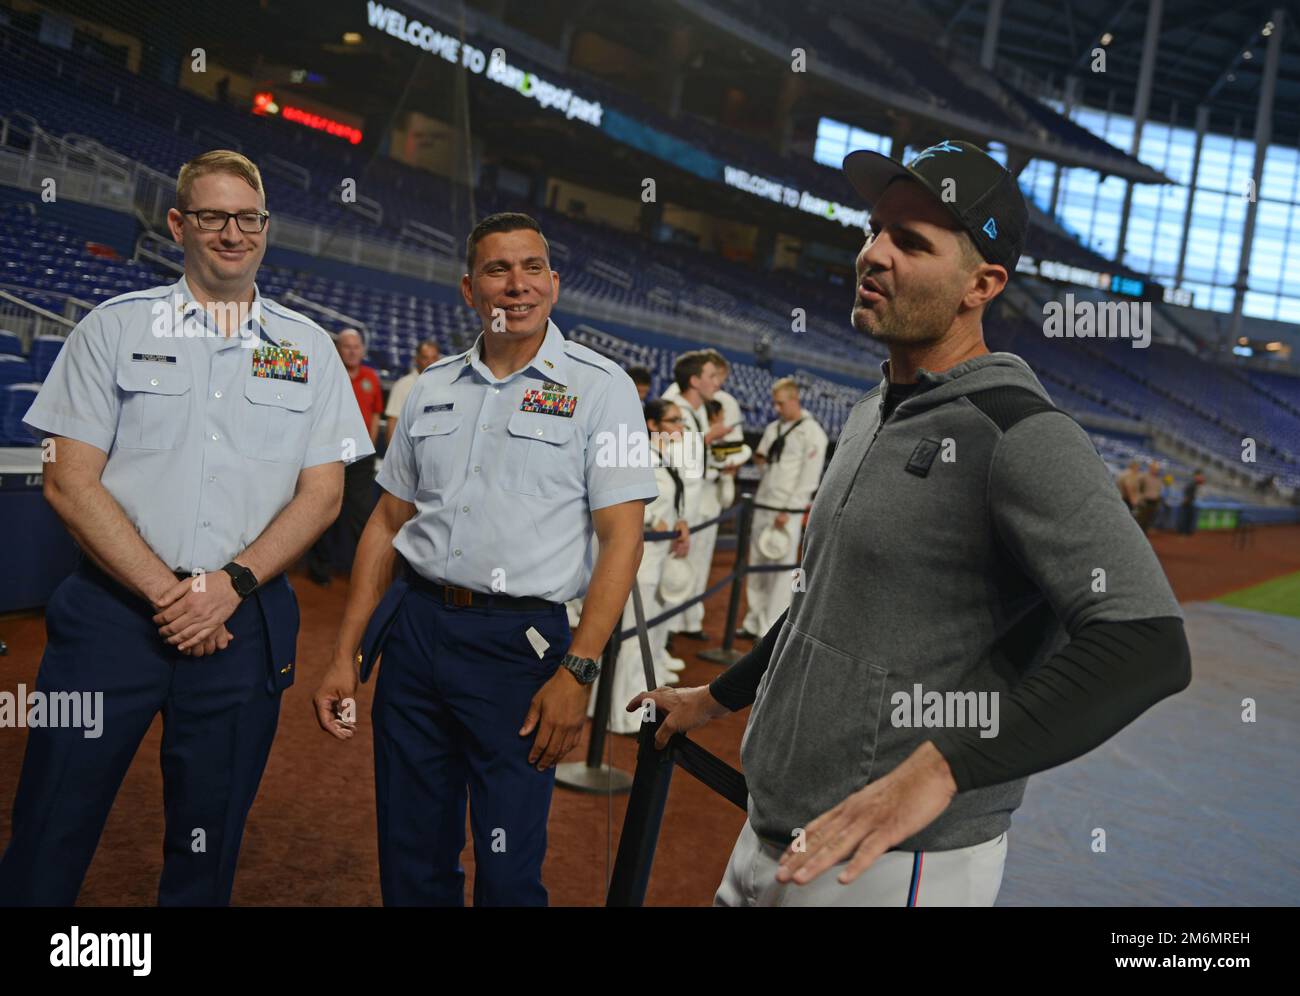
column 734, row 419
column 695, row 422
column 629, row 674
column 717, row 493
column 400, row 391
column 789, row 482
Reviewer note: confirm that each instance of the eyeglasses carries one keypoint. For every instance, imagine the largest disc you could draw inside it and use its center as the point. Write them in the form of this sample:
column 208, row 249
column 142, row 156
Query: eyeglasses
column 249, row 222
column 671, row 421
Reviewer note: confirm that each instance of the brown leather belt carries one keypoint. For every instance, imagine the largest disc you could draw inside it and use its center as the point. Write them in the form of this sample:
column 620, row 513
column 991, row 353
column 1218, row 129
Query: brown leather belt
column 453, row 596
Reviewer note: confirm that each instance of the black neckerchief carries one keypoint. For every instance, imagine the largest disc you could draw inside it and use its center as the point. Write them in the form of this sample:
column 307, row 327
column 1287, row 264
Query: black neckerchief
column 778, row 445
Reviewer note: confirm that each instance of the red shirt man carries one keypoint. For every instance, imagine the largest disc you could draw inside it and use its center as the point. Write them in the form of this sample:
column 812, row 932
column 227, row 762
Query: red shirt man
column 365, row 382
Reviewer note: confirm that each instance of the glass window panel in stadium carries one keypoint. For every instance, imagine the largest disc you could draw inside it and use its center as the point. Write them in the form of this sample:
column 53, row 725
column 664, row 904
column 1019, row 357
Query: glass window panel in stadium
column 835, row 140
column 1090, row 206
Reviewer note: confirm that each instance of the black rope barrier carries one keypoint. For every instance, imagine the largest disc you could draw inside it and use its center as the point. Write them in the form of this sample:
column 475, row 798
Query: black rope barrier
column 645, row 806
column 681, row 607
column 592, row 775
column 730, row 513
column 654, row 768
column 789, row 511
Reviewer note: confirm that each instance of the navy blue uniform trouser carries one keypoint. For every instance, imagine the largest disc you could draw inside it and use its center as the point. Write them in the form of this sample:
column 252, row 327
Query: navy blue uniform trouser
column 219, row 718
column 453, row 691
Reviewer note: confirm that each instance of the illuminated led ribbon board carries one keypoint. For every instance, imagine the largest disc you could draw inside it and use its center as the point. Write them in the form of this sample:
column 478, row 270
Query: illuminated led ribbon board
column 265, row 104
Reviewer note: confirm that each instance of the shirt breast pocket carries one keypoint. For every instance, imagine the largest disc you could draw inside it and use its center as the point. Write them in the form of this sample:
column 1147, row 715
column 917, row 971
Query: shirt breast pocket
column 433, row 439
column 540, row 457
column 276, row 420
column 155, row 405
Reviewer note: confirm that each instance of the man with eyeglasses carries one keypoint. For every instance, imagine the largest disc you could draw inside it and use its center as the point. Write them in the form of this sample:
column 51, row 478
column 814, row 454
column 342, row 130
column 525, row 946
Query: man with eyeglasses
column 198, row 435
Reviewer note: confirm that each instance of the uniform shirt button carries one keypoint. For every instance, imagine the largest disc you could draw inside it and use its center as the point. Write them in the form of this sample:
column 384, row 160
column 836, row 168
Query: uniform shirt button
column 217, row 394
column 211, row 478
column 216, row 436
column 154, row 381
column 457, row 552
column 484, row 426
column 464, row 508
column 206, row 523
column 496, row 390
column 279, row 397
column 539, row 432
column 476, row 469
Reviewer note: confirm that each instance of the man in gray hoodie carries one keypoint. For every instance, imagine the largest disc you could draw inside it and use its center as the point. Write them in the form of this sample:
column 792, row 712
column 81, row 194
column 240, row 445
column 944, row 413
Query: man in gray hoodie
column 978, row 603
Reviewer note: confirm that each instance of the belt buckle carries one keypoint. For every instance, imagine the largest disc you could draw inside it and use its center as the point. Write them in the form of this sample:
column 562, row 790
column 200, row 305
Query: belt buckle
column 459, row 597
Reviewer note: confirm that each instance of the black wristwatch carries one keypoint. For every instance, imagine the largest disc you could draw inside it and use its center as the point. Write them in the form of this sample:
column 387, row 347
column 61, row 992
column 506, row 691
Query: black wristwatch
column 243, row 580
column 583, row 668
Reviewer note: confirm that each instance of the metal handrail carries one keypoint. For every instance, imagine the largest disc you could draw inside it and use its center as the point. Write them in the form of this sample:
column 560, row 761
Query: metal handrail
column 143, row 251
column 36, row 308
column 296, row 299
column 300, row 175
column 37, row 316
column 435, row 238
column 224, row 138
column 367, row 207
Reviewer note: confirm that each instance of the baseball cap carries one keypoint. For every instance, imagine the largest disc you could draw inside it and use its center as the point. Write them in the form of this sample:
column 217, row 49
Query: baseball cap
column 983, row 197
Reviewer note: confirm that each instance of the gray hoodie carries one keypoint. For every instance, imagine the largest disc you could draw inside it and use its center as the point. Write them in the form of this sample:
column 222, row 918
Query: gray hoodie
column 955, row 547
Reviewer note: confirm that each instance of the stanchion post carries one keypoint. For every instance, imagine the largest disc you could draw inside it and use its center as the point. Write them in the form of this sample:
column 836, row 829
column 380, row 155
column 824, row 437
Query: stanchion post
column 726, row 655
column 604, row 695
column 645, row 813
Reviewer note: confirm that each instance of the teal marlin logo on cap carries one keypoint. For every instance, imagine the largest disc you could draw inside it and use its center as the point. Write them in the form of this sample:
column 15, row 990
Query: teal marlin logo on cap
column 991, row 228
column 944, row 146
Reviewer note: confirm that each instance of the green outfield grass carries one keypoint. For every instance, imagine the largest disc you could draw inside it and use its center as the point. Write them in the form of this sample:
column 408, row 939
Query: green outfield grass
column 1281, row 596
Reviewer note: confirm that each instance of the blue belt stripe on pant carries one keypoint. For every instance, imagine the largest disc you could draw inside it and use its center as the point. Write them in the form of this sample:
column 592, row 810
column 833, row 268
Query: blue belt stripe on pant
column 453, row 690
column 219, row 718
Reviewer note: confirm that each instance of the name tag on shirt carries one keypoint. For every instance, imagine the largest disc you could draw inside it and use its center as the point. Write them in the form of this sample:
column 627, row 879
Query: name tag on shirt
column 279, row 363
column 152, row 358
column 552, row 399
column 444, row 407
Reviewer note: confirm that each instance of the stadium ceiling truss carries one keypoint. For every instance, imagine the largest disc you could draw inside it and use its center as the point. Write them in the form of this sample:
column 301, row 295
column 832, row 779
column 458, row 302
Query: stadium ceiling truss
column 1202, row 56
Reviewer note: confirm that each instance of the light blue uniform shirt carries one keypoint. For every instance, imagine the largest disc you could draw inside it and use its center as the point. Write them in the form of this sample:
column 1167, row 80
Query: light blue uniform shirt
column 504, row 473
column 203, row 453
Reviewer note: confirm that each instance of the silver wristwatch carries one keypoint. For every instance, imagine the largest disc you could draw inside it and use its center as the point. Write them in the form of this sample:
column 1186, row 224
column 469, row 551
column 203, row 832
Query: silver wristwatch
column 583, row 668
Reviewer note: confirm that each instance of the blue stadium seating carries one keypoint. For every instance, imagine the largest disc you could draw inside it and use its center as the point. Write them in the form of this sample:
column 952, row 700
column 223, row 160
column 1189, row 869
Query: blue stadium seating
column 1160, row 387
column 15, row 399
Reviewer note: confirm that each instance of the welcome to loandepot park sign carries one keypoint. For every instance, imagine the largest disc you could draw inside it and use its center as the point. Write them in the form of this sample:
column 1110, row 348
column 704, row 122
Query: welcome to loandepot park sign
column 761, row 186
column 565, row 101
column 498, row 70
